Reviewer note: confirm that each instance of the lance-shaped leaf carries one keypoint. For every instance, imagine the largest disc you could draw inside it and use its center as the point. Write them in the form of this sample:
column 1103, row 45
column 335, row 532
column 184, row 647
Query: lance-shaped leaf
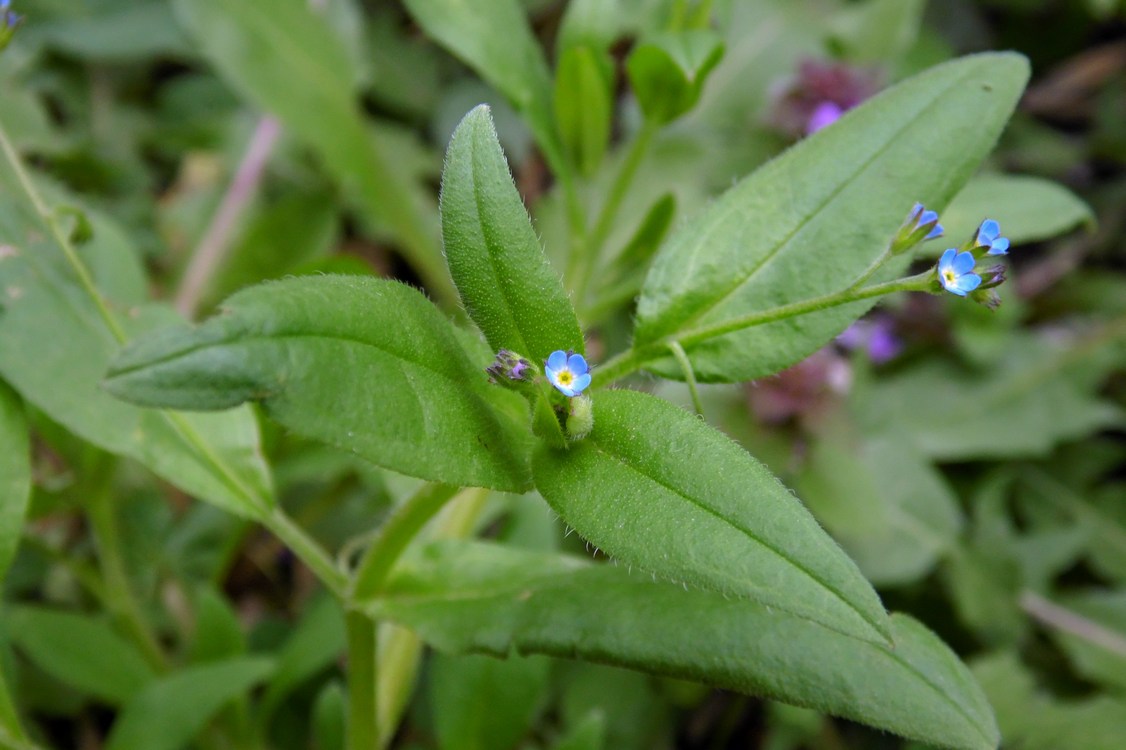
column 668, row 71
column 811, row 221
column 365, row 364
column 477, row 597
column 495, row 258
column 655, row 487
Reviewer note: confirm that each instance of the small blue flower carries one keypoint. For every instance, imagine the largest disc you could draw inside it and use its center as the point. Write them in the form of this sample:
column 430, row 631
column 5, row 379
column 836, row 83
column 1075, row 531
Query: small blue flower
column 8, row 23
column 923, row 218
column 989, row 235
column 568, row 372
column 955, row 272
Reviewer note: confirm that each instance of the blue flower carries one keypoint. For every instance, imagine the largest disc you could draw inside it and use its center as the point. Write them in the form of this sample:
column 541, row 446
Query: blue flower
column 921, row 225
column 989, row 235
column 568, row 372
column 955, row 272
column 8, row 23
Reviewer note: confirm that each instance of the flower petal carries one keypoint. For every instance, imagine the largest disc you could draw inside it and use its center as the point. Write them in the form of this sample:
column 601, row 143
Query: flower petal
column 557, row 360
column 936, row 232
column 946, row 259
column 988, row 231
column 999, row 246
column 577, row 364
column 580, row 384
column 968, row 282
column 963, row 263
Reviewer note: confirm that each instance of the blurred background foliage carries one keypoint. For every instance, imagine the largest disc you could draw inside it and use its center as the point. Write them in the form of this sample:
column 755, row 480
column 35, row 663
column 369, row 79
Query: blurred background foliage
column 972, row 462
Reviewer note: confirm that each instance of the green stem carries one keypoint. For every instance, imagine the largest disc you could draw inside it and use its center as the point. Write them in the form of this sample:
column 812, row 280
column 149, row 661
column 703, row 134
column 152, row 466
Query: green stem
column 398, row 532
column 52, row 223
column 583, row 263
column 870, row 270
column 363, row 641
column 689, row 375
column 634, row 359
column 308, row 551
column 119, row 596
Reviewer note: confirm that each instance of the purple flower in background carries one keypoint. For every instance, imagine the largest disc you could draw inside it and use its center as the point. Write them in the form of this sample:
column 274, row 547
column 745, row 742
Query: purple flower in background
column 876, row 336
column 8, row 23
column 819, row 94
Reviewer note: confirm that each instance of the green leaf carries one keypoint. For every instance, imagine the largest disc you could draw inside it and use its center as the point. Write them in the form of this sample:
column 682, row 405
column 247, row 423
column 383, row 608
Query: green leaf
column 481, row 702
column 668, row 71
column 494, row 256
column 584, row 105
column 1096, row 641
column 655, row 487
column 316, row 642
column 1033, row 719
column 54, row 350
column 1028, row 208
column 886, row 504
column 80, row 650
column 1032, row 400
column 217, row 633
column 877, row 31
column 171, row 711
column 495, row 40
column 286, row 59
column 472, row 597
column 809, row 222
column 589, row 734
column 15, row 474
column 367, row 365
column 329, row 722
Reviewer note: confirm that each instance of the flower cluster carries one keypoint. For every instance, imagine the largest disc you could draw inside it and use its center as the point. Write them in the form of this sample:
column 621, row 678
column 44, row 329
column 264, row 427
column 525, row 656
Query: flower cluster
column 8, row 23
column 509, row 365
column 956, row 268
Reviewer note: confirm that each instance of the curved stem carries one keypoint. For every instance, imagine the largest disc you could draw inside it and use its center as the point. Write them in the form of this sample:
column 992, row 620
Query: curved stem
column 584, row 261
column 689, row 374
column 308, row 551
column 398, row 532
column 632, row 360
column 52, row 223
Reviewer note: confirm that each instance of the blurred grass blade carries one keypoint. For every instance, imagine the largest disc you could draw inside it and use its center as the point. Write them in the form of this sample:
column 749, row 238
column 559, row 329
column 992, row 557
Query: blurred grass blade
column 285, row 58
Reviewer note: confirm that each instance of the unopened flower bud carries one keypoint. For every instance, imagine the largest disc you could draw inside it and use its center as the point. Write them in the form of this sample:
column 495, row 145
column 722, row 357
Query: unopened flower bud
column 580, row 420
column 510, row 367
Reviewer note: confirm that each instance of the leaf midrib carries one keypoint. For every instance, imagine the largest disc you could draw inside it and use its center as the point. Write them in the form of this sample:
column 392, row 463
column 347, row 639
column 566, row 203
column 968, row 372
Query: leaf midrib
column 750, row 535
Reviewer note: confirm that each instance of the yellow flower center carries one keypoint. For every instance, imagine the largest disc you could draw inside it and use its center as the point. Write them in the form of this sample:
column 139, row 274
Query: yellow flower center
column 565, row 377
column 950, row 276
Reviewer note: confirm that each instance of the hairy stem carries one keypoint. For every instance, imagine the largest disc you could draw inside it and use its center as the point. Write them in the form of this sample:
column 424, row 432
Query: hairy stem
column 308, row 551
column 689, row 375
column 634, row 359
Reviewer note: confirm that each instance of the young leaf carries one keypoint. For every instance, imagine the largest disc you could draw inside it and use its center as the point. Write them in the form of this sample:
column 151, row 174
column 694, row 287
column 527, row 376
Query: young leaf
column 80, row 650
column 667, row 71
column 172, row 710
column 584, row 104
column 364, row 364
column 495, row 40
column 655, row 487
column 15, row 474
column 473, row 597
column 493, row 253
column 809, row 222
